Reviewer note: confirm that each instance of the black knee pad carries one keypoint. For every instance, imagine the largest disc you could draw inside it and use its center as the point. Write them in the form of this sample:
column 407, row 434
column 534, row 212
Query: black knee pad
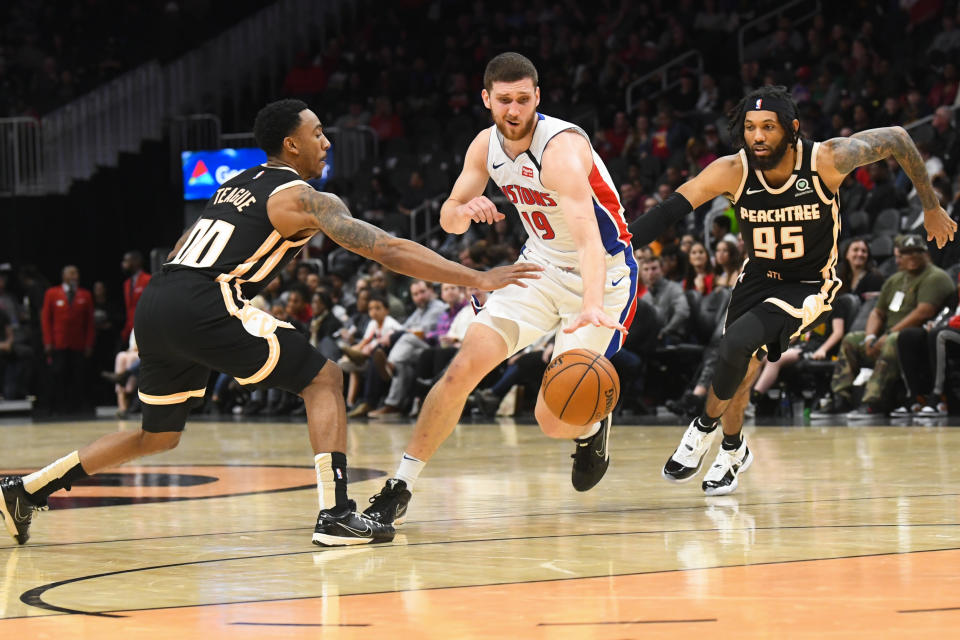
column 740, row 341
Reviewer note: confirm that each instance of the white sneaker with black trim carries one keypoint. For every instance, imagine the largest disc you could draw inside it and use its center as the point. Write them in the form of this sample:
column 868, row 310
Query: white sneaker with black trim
column 721, row 477
column 687, row 459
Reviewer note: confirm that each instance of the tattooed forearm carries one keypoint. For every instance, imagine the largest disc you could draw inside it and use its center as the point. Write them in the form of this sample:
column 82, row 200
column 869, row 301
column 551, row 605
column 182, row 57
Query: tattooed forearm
column 872, row 145
column 334, row 219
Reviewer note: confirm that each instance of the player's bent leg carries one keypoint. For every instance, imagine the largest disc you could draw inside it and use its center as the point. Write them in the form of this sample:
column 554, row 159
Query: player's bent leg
column 22, row 497
column 482, row 349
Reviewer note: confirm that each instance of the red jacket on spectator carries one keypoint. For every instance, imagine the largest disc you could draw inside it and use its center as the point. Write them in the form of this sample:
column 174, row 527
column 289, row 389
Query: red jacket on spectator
column 68, row 326
column 131, row 296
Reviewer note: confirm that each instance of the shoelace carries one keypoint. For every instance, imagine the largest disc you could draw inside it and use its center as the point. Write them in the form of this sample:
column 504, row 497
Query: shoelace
column 693, row 438
column 725, row 459
column 388, row 488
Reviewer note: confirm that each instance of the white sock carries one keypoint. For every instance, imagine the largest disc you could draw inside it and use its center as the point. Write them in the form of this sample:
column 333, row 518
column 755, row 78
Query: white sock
column 326, row 485
column 53, row 471
column 592, row 430
column 409, row 470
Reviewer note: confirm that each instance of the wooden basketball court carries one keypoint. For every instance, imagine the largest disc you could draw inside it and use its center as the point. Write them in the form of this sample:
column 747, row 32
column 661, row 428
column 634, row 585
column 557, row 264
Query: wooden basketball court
column 835, row 532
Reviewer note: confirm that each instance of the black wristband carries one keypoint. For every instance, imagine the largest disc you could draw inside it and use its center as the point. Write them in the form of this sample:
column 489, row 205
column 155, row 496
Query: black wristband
column 651, row 224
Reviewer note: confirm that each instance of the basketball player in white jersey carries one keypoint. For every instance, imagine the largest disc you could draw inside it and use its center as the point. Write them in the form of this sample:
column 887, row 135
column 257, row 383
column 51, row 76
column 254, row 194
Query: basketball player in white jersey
column 576, row 232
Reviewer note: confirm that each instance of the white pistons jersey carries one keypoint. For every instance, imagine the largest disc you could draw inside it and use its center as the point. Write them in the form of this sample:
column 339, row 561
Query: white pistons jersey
column 539, row 207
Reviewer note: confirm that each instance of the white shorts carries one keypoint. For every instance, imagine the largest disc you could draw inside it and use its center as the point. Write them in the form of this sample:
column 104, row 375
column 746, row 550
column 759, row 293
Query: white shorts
column 549, row 304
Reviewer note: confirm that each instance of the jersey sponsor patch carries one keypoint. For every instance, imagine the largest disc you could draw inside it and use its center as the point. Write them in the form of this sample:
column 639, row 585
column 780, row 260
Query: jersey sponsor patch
column 526, row 172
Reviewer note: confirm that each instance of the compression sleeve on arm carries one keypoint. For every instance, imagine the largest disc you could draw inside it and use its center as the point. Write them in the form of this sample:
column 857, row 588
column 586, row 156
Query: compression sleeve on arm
column 651, row 224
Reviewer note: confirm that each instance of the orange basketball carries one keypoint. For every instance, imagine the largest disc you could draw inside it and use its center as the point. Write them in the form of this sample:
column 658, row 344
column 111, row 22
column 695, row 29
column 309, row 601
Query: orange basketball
column 580, row 386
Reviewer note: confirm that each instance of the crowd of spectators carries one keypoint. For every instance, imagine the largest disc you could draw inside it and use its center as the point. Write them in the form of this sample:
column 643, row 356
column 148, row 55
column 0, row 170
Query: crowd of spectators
column 52, row 52
column 880, row 65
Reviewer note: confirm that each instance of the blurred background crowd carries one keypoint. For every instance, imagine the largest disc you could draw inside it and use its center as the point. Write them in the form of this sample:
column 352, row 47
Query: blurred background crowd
column 651, row 82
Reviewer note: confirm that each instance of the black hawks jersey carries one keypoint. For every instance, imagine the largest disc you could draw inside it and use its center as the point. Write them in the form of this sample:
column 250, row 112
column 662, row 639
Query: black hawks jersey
column 233, row 241
column 789, row 232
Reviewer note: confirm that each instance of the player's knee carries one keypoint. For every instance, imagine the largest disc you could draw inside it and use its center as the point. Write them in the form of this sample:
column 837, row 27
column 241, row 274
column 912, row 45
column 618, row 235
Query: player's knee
column 157, row 442
column 463, row 374
column 329, row 377
column 736, row 350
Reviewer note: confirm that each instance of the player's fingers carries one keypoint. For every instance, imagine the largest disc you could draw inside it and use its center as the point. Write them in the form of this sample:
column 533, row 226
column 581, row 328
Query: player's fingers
column 613, row 324
column 576, row 325
column 527, row 268
column 497, row 216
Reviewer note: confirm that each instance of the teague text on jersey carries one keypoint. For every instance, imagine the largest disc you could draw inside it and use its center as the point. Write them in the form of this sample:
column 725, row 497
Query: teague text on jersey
column 784, row 214
column 236, row 196
column 523, row 195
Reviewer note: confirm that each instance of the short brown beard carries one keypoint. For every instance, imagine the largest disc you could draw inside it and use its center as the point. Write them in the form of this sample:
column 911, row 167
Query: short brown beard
column 524, row 130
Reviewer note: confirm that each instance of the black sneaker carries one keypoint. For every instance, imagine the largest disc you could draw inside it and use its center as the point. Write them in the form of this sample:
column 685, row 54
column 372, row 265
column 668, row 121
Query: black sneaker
column 592, row 457
column 16, row 508
column 390, row 505
column 349, row 528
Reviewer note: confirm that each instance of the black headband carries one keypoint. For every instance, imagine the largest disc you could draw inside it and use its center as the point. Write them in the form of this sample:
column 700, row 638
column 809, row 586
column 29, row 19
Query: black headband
column 772, row 103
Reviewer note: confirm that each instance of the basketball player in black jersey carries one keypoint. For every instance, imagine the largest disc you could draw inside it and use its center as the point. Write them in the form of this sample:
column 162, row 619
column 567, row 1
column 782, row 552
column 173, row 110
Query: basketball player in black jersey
column 783, row 189
column 195, row 317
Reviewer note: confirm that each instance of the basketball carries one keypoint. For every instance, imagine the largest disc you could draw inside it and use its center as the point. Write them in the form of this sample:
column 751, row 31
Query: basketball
column 580, row 386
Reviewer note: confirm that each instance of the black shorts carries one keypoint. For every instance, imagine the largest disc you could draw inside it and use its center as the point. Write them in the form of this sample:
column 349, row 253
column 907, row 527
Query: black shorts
column 183, row 331
column 805, row 304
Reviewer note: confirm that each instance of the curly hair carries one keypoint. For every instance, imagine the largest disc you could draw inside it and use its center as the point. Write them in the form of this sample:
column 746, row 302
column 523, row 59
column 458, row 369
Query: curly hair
column 784, row 106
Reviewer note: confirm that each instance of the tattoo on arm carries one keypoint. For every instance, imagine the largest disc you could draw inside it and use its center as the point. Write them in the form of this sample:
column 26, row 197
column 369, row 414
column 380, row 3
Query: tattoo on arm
column 872, row 145
column 334, row 219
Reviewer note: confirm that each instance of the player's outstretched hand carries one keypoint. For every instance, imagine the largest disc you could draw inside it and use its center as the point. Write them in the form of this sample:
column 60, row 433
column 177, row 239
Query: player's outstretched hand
column 500, row 277
column 480, row 209
column 595, row 317
column 939, row 226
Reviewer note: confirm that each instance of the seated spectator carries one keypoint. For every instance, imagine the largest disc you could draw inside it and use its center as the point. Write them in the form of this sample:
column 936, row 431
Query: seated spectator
column 355, row 359
column 420, row 330
column 908, row 298
column 297, row 307
column 390, row 289
column 632, row 201
column 668, row 299
column 637, row 144
column 433, row 361
column 923, row 353
column 676, row 265
column 324, row 325
column 720, row 230
column 884, row 194
column 858, row 271
column 728, row 263
column 124, row 376
column 701, row 272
